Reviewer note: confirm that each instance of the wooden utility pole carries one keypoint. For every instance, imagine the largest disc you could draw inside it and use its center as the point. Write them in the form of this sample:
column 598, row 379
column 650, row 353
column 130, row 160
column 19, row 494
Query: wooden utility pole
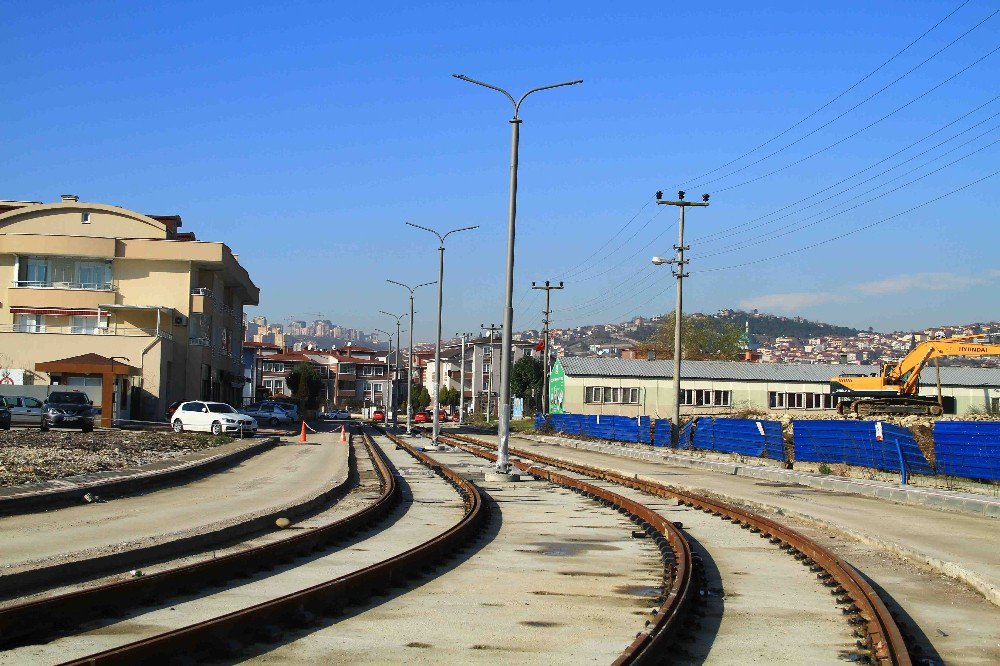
column 545, row 324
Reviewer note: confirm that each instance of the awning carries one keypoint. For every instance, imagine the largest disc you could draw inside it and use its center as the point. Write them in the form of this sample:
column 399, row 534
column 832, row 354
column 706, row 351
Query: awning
column 59, row 312
column 88, row 364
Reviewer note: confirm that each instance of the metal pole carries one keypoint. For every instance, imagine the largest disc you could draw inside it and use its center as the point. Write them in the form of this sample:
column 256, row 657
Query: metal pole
column 461, row 385
column 503, row 431
column 489, row 379
column 409, row 361
column 395, row 418
column 436, row 397
column 678, row 310
column 545, row 370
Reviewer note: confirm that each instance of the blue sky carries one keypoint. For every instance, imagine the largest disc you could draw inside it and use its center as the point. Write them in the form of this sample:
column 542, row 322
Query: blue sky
column 305, row 134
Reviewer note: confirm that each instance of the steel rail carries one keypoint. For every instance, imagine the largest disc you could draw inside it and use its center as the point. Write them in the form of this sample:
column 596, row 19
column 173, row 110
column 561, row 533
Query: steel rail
column 679, row 587
column 880, row 633
column 39, row 619
column 224, row 635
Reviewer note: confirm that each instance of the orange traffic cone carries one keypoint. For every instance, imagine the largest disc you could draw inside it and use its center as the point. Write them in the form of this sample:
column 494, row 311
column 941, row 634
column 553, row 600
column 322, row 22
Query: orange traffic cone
column 343, row 434
column 302, row 435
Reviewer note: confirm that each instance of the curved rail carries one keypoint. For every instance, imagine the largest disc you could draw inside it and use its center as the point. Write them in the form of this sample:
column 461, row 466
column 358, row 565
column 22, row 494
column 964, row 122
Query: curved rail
column 39, row 619
column 221, row 636
column 880, row 632
column 679, row 588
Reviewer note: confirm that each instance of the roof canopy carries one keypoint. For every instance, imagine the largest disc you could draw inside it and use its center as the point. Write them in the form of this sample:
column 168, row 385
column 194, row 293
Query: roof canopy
column 87, row 364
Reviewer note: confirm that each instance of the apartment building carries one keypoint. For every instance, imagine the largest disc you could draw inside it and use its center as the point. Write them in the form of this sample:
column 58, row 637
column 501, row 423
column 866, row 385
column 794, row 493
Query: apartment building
column 99, row 296
column 348, row 381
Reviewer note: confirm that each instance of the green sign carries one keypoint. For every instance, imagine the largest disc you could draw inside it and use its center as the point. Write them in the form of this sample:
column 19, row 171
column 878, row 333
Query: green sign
column 557, row 389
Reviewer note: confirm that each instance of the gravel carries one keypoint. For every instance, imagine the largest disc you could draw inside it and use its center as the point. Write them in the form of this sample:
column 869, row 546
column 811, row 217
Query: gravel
column 31, row 456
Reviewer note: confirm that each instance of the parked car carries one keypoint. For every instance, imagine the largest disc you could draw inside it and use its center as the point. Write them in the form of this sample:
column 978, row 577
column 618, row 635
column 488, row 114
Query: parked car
column 289, row 407
column 68, row 409
column 4, row 416
column 171, row 408
column 337, row 415
column 24, row 411
column 421, row 417
column 378, row 416
column 442, row 415
column 270, row 413
column 215, row 417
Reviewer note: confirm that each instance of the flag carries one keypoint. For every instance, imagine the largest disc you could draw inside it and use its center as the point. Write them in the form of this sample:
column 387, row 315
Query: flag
column 541, row 345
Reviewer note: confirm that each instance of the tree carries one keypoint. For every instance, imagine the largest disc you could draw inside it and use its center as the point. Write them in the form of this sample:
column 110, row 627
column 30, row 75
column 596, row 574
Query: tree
column 526, row 378
column 305, row 384
column 421, row 398
column 448, row 396
column 703, row 338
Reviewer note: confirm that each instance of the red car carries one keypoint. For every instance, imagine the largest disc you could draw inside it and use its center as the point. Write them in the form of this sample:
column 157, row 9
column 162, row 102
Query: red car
column 378, row 415
column 421, row 417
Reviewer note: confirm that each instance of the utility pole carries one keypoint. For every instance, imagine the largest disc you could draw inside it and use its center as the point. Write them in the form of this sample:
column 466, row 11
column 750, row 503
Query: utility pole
column 395, row 374
column 507, row 335
column 678, row 273
column 461, row 381
column 436, row 386
column 387, row 396
column 409, row 360
column 489, row 391
column 545, row 323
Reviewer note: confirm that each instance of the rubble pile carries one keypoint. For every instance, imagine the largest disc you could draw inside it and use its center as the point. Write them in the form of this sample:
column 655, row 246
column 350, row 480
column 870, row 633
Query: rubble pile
column 29, row 456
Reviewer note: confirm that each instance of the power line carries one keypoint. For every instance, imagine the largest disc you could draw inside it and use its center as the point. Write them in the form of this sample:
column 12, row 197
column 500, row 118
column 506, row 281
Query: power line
column 853, row 108
column 729, row 231
column 848, row 233
column 834, row 99
column 849, row 136
column 795, row 226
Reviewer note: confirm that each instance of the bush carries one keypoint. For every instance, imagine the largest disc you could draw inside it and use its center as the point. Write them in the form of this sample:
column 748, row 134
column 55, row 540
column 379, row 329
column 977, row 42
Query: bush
column 825, row 469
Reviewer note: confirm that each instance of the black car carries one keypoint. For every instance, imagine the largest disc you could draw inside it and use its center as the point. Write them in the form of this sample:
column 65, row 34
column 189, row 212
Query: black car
column 4, row 416
column 68, row 409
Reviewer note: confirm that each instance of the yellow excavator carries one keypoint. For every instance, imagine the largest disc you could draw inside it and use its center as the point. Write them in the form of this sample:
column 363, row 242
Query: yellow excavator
column 896, row 389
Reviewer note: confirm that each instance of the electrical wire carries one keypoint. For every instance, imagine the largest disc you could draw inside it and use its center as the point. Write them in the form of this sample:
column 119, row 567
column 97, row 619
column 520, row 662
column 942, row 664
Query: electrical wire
column 834, row 99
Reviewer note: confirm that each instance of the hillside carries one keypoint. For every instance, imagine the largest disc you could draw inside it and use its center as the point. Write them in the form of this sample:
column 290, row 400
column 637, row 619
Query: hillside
column 764, row 325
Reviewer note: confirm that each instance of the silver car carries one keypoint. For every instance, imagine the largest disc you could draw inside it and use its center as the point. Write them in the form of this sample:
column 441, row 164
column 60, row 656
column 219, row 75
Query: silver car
column 24, row 410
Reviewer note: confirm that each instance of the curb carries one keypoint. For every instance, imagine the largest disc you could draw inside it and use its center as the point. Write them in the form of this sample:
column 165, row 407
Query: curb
column 32, row 580
column 950, row 569
column 941, row 500
column 130, row 483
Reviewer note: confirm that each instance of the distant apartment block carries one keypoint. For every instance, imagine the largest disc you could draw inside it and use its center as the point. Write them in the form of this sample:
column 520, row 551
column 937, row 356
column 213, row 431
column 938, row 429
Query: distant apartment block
column 120, row 303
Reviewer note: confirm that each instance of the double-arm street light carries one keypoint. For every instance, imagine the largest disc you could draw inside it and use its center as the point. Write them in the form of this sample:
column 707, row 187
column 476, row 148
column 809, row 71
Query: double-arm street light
column 409, row 361
column 436, row 386
column 503, row 432
column 398, row 318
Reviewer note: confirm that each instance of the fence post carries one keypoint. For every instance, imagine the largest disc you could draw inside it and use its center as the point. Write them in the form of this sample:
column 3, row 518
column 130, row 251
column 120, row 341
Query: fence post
column 902, row 462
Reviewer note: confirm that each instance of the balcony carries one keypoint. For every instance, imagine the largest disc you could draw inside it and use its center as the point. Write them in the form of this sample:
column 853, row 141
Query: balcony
column 58, row 295
column 346, row 393
column 121, row 331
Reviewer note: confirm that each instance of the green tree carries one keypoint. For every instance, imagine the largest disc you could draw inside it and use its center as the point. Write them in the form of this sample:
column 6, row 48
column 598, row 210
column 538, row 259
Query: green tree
column 526, row 379
column 305, row 384
column 421, row 398
column 703, row 338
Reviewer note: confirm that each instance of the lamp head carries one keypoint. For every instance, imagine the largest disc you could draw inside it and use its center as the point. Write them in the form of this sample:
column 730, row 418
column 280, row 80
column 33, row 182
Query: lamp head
column 659, row 261
column 659, row 194
column 680, row 195
column 704, row 198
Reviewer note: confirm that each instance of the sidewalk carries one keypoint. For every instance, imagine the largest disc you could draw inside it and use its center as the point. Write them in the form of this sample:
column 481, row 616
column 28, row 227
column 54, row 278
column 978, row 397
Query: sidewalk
column 960, row 545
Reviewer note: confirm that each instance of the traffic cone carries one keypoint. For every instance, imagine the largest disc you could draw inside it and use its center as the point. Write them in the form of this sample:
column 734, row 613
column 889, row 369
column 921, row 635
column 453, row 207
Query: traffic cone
column 302, row 435
column 343, row 434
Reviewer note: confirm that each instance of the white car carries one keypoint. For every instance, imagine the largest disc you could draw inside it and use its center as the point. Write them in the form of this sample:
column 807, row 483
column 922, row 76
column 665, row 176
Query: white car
column 337, row 415
column 217, row 418
column 270, row 413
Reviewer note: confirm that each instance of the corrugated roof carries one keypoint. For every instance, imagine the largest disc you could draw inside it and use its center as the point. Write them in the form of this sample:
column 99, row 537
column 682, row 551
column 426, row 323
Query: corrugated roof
column 760, row 372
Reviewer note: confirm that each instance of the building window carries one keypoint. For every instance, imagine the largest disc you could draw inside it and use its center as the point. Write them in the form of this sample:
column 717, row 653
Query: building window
column 706, row 398
column 611, row 395
column 783, row 400
column 85, row 218
column 86, row 325
column 346, row 368
column 29, row 323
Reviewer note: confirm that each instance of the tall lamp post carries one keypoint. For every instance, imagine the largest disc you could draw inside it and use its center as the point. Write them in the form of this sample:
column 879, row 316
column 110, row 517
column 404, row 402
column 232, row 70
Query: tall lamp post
column 461, row 382
column 679, row 273
column 409, row 361
column 399, row 343
column 388, row 394
column 435, row 387
column 503, row 431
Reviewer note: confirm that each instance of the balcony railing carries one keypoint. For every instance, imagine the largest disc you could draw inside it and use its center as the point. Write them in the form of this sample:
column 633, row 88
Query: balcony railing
column 126, row 331
column 48, row 284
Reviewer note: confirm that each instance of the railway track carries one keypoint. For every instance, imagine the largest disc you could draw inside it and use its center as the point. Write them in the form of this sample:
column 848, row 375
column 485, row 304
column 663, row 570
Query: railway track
column 873, row 625
column 226, row 631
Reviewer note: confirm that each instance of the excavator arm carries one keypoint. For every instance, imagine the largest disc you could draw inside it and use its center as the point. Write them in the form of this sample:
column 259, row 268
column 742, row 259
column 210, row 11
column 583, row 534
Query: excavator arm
column 907, row 372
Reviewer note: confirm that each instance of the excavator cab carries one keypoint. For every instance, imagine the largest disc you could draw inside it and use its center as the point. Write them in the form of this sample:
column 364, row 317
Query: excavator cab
column 887, row 369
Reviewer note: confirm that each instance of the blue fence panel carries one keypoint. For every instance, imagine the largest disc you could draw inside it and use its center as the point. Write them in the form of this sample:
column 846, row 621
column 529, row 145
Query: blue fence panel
column 539, row 421
column 740, row 436
column 854, row 443
column 661, row 432
column 967, row 448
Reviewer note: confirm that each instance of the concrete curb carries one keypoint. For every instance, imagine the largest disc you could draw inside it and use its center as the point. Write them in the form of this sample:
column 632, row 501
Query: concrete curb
column 28, row 581
column 127, row 482
column 942, row 500
column 950, row 569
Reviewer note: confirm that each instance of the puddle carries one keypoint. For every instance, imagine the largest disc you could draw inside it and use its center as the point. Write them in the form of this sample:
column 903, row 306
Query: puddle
column 640, row 590
column 569, row 548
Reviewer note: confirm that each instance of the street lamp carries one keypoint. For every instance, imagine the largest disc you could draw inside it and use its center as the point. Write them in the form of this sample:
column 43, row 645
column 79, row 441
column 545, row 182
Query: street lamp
column 409, row 361
column 503, row 431
column 398, row 318
column 388, row 393
column 436, row 393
